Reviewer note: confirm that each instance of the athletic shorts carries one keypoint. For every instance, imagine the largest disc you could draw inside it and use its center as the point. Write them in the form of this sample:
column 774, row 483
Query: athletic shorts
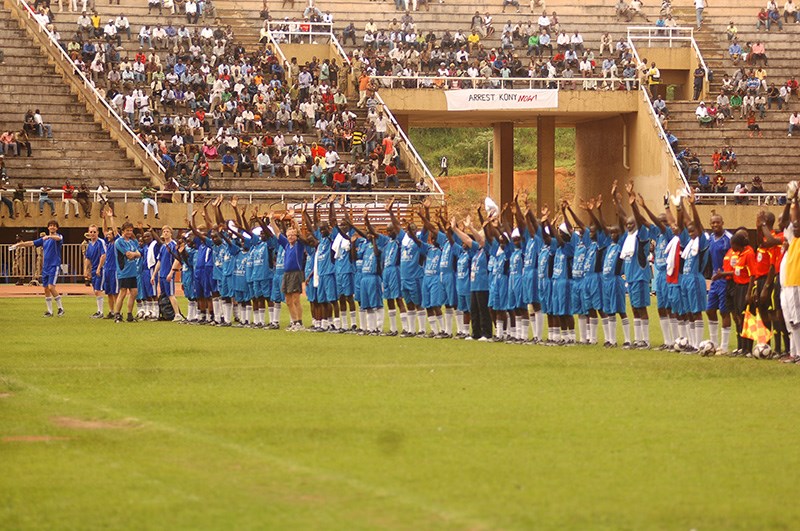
column 693, row 293
column 326, row 289
column 614, row 295
column 97, row 281
column 545, row 295
column 639, row 292
column 515, row 296
column 411, row 290
column 213, row 288
column 675, row 299
column 277, row 285
column 242, row 296
column 662, row 290
column 717, row 296
column 127, row 283
column 311, row 291
column 790, row 302
column 391, row 283
column 147, row 289
column 226, row 287
column 462, row 304
column 448, row 281
column 432, row 292
column 166, row 287
column 292, row 282
column 370, row 292
column 560, row 301
column 501, row 294
column 760, row 281
column 530, row 288
column 110, row 284
column 344, row 285
column 50, row 275
column 357, row 287
column 202, row 284
column 739, row 297
column 262, row 288
column 593, row 291
column 577, row 301
column 188, row 288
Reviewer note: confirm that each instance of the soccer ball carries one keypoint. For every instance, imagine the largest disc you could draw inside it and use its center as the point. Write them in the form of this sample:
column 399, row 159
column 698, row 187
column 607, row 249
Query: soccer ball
column 762, row 351
column 707, row 348
column 681, row 344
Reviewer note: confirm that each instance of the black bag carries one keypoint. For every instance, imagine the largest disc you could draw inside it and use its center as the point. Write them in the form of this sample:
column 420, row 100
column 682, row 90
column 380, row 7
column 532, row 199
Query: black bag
column 166, row 313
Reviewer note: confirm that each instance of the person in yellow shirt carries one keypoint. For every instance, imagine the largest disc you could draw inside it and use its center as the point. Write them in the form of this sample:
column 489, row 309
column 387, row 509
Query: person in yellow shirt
column 790, row 275
column 474, row 39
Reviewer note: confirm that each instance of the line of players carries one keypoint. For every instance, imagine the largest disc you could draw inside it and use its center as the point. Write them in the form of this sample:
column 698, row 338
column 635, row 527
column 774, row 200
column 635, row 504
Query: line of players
column 504, row 277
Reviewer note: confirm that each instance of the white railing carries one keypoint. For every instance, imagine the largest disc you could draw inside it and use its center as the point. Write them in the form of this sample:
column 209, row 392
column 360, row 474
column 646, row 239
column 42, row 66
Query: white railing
column 282, row 196
column 135, row 195
column 748, row 198
column 657, row 123
column 455, row 83
column 87, row 82
column 23, row 264
column 676, row 35
column 298, row 31
column 426, row 172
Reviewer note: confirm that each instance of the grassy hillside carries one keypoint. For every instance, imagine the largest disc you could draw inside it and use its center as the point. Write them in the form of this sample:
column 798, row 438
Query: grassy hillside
column 465, row 148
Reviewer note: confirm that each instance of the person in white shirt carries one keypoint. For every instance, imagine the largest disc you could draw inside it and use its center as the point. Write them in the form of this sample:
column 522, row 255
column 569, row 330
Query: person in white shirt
column 794, row 123
column 264, row 162
column 123, row 25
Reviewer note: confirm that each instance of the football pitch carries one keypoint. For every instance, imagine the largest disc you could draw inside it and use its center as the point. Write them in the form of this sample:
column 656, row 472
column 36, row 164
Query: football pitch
column 157, row 425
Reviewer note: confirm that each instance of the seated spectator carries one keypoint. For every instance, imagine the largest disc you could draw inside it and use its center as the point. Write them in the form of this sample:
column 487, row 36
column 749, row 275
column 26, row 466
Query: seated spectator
column 702, row 116
column 148, row 200
column 752, row 126
column 740, row 192
column 341, row 183
column 720, row 183
column 757, row 186
column 704, row 183
column 762, row 19
column 735, row 51
column 84, row 199
column 728, row 160
column 8, row 144
column 20, row 203
column 758, row 52
column 790, row 12
column 390, row 174
column 44, row 199
column 794, row 123
column 693, row 162
column 244, row 162
column 731, row 31
column 716, row 159
column 228, row 162
column 774, row 17
column 68, row 198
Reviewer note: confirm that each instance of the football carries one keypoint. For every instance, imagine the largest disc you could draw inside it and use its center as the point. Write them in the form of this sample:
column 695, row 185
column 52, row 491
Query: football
column 762, row 351
column 707, row 348
column 681, row 344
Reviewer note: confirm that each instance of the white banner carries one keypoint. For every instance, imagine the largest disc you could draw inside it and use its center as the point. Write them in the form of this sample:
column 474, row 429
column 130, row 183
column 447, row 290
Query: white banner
column 500, row 99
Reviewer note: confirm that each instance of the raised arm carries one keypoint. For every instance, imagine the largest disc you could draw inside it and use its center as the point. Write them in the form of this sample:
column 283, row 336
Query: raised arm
column 653, row 218
column 695, row 214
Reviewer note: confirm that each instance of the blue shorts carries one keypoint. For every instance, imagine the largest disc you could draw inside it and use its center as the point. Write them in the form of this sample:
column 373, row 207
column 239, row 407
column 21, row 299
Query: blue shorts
column 462, row 304
column 344, row 285
column 448, row 281
column 262, row 288
column 202, row 283
column 188, row 288
column 277, row 295
column 639, row 292
column 370, row 292
column 662, row 290
column 717, row 296
column 226, row 287
column 515, row 299
column 326, row 289
column 501, row 294
column 97, row 281
column 530, row 288
column 166, row 287
column 50, row 275
column 577, row 298
column 614, row 295
column 146, row 289
column 311, row 292
column 242, row 296
column 391, row 283
column 110, row 284
column 432, row 292
column 561, row 295
column 212, row 284
column 693, row 293
column 545, row 294
column 411, row 290
column 593, row 292
column 675, row 300
column 357, row 287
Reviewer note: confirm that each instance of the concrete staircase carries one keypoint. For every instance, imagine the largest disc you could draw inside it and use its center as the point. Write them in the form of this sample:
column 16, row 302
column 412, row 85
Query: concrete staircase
column 774, row 157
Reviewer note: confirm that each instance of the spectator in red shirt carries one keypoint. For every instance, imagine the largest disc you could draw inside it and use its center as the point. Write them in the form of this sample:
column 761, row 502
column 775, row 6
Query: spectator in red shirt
column 391, row 174
column 340, row 182
column 68, row 198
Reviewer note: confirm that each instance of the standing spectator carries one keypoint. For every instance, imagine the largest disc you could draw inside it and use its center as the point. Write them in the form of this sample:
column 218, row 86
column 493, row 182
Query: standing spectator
column 699, row 78
column 22, row 140
column 443, row 166
column 44, row 199
column 699, row 6
column 148, row 200
column 68, row 192
column 794, row 123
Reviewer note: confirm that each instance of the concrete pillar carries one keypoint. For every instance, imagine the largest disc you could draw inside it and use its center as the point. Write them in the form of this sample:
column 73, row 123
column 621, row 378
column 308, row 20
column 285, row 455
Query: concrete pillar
column 546, row 161
column 600, row 157
column 502, row 182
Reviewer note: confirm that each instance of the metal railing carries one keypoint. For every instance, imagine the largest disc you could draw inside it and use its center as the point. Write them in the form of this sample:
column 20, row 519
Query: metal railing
column 298, row 31
column 662, row 135
column 654, row 34
column 26, row 264
column 747, row 198
column 114, row 195
column 455, row 83
column 87, row 83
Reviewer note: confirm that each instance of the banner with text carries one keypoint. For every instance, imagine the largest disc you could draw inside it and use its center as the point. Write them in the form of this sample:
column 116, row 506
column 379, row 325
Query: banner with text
column 500, row 99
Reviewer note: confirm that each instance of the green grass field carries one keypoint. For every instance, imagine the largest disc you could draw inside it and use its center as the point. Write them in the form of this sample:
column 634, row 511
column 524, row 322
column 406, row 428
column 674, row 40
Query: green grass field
column 156, row 425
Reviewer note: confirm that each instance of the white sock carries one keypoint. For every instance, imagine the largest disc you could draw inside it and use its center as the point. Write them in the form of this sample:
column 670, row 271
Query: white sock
column 581, row 328
column 551, row 333
column 404, row 322
column 448, row 321
column 612, row 329
column 343, row 318
column 725, row 337
column 249, row 313
column 352, row 318
column 794, row 339
column 326, row 323
column 713, row 330
column 262, row 316
column 276, row 311
column 58, row 302
column 675, row 326
column 434, row 322
column 698, row 332
column 215, row 306
column 48, row 301
column 392, row 320
column 459, row 321
column 99, row 301
column 381, row 316
column 372, row 320
column 421, row 320
column 626, row 329
column 500, row 326
column 666, row 330
column 593, row 322
column 539, row 325
column 337, row 322
column 523, row 332
column 682, row 329
column 192, row 311
column 646, row 330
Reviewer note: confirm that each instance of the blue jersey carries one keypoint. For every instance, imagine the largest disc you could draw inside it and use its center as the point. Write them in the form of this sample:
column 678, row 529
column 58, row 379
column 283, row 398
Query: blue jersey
column 240, row 271
column 324, row 254
column 187, row 268
column 531, row 253
column 433, row 260
column 410, row 255
column 368, row 258
column 637, row 266
column 259, row 268
column 717, row 247
column 562, row 258
column 463, row 264
column 203, row 253
column 94, row 252
column 500, row 255
column 544, row 260
column 280, row 254
column 479, row 269
column 343, row 264
column 126, row 267
column 165, row 258
column 662, row 239
column 447, row 263
column 612, row 265
column 595, row 251
column 308, row 270
column 580, row 243
column 390, row 251
column 110, row 265
column 51, row 251
column 515, row 261
column 216, row 258
column 694, row 262
column 229, row 259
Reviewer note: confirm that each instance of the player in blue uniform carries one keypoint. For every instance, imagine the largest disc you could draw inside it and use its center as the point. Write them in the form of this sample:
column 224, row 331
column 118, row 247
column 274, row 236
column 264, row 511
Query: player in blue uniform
column 562, row 280
column 51, row 245
column 432, row 290
column 478, row 280
column 578, row 301
column 368, row 255
column 310, row 245
column 128, row 257
column 614, row 289
column 188, row 254
column 544, row 269
column 109, row 261
column 516, row 290
column 93, row 267
column 148, row 291
column 411, row 272
column 719, row 242
column 277, row 296
column 592, row 268
column 344, row 269
column 324, row 270
column 201, row 282
column 500, row 250
column 694, row 255
column 464, row 253
column 164, row 271
column 389, row 247
column 447, row 277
